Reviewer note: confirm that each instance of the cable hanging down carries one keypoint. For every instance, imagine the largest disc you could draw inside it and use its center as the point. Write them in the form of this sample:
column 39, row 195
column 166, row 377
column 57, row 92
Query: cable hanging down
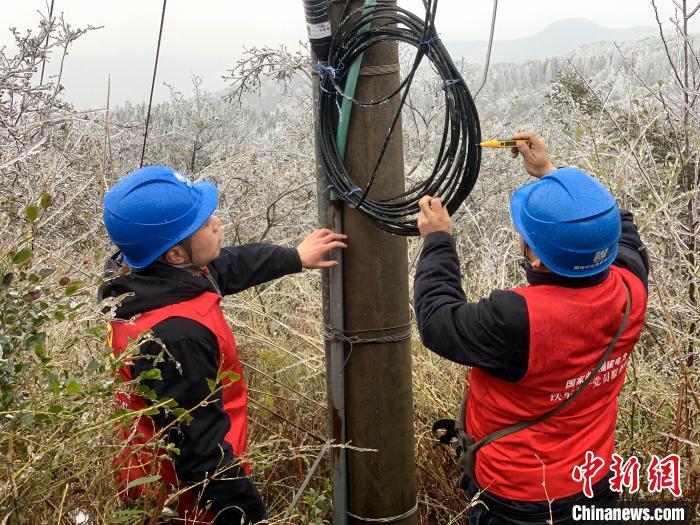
column 458, row 158
column 153, row 84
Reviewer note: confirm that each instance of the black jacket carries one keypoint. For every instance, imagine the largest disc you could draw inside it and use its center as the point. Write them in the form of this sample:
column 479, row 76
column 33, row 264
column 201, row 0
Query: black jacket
column 494, row 333
column 192, row 359
column 478, row 333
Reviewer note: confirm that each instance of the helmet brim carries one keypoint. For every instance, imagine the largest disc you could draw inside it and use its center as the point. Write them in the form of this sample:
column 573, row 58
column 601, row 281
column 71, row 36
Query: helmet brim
column 210, row 201
column 517, row 203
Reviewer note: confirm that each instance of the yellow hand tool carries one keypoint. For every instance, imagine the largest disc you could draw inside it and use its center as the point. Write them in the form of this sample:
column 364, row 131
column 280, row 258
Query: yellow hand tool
column 503, row 143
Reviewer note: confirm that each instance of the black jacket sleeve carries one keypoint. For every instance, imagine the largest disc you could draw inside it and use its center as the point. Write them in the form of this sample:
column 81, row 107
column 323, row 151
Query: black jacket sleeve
column 240, row 267
column 631, row 252
column 204, row 458
column 492, row 334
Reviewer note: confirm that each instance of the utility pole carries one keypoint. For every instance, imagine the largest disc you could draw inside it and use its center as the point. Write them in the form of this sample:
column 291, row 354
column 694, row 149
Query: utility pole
column 330, row 216
column 378, row 387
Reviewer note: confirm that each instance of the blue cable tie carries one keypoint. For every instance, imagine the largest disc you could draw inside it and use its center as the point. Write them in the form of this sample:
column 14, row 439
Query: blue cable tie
column 354, row 190
column 324, row 70
column 449, row 82
column 429, row 42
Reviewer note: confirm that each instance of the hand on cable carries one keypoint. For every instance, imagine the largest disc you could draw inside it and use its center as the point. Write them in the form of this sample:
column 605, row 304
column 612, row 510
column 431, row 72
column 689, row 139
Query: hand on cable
column 316, row 245
column 534, row 152
column 433, row 217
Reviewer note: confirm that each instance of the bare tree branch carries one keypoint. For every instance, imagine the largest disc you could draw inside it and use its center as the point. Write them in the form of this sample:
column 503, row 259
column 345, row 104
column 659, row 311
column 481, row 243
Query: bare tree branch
column 668, row 51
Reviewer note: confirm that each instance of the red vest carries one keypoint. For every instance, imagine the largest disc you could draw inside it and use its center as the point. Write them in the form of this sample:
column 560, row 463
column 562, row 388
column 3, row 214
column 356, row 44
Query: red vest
column 141, row 457
column 570, row 328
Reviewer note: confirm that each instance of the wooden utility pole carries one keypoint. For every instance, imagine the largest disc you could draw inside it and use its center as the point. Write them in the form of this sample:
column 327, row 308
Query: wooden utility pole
column 330, row 216
column 378, row 387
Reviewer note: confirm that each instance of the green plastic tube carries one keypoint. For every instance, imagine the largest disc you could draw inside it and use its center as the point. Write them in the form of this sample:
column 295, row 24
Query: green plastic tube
column 350, row 86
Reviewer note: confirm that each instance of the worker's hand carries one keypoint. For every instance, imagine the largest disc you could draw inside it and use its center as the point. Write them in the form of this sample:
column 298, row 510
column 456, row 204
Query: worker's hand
column 433, row 217
column 316, row 245
column 534, row 152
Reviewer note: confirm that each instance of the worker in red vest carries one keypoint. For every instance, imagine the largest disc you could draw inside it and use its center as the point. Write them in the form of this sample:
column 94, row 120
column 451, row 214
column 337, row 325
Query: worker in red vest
column 169, row 277
column 533, row 347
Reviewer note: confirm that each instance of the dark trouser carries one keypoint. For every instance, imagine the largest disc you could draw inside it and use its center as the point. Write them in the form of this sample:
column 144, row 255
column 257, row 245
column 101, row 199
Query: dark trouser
column 510, row 512
column 235, row 500
column 478, row 515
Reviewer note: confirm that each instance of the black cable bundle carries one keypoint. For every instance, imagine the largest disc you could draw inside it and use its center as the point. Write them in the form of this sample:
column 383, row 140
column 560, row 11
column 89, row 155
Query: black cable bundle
column 459, row 156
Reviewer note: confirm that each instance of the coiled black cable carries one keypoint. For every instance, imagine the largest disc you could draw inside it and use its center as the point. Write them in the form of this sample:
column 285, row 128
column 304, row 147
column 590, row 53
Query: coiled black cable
column 459, row 156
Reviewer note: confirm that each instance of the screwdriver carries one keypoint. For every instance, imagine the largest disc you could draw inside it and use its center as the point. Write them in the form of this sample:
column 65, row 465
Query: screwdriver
column 512, row 143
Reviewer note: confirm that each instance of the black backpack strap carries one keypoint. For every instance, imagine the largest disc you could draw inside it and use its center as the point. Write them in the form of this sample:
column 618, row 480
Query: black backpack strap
column 525, row 424
column 461, row 423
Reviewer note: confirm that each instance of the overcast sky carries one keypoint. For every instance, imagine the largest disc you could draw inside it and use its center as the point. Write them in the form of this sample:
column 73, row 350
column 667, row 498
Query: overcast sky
column 207, row 36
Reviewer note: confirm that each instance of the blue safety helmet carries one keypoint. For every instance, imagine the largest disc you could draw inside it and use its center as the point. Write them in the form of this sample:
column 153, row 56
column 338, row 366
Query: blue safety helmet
column 569, row 220
column 154, row 208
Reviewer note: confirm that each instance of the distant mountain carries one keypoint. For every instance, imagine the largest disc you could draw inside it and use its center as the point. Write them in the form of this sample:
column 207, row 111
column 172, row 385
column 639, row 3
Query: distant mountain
column 514, row 90
column 557, row 39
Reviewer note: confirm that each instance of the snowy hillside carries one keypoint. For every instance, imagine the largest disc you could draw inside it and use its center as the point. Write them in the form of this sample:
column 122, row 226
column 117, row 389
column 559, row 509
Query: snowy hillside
column 557, row 39
column 516, row 88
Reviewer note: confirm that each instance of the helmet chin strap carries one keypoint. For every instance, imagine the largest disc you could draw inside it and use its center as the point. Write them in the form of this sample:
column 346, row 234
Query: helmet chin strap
column 204, row 272
column 187, row 246
column 525, row 261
